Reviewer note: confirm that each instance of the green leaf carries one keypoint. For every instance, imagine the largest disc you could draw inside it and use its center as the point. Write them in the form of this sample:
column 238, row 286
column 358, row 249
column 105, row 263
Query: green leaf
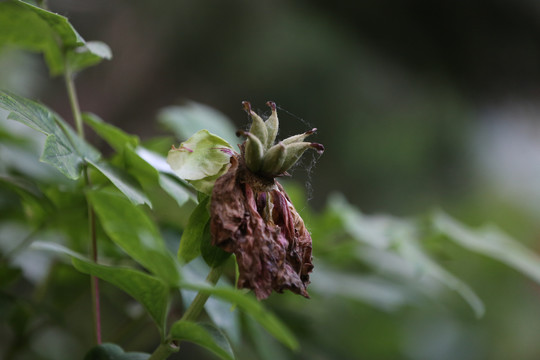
column 201, row 156
column 214, row 256
column 150, row 177
column 114, row 136
column 491, row 242
column 188, row 119
column 32, row 28
column 131, row 229
column 91, row 53
column 63, row 148
column 109, row 351
column 251, row 307
column 126, row 185
column 401, row 236
column 204, row 335
column 150, row 291
column 190, row 243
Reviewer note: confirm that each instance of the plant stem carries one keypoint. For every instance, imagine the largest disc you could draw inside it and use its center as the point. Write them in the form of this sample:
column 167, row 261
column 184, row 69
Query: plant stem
column 94, row 283
column 164, row 350
column 197, row 304
column 170, row 346
column 74, row 102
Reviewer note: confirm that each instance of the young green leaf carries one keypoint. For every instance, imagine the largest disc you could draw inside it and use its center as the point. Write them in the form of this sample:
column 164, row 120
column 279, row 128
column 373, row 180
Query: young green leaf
column 204, row 335
column 202, row 155
column 63, row 148
column 131, row 229
column 200, row 160
column 190, row 243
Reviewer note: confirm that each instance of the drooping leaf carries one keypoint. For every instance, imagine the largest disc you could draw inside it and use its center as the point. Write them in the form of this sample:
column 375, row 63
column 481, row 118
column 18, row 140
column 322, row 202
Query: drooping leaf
column 114, row 136
column 491, row 242
column 32, row 28
column 131, row 229
column 150, row 291
column 188, row 119
column 110, row 351
column 190, row 243
column 63, row 148
column 126, row 185
column 204, row 335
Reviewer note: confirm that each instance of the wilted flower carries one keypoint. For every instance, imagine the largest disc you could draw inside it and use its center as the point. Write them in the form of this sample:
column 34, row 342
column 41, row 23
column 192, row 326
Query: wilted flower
column 252, row 216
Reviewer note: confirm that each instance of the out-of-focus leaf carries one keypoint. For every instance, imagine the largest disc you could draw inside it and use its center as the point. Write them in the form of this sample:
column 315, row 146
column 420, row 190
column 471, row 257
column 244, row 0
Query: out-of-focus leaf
column 32, row 28
column 401, row 236
column 150, row 177
column 188, row 119
column 266, row 347
column 89, row 54
column 251, row 307
column 220, row 312
column 115, row 137
column 204, row 335
column 372, row 290
column 110, row 351
column 131, row 229
column 426, row 267
column 63, row 148
column 127, row 186
column 190, row 243
column 491, row 242
column 150, row 291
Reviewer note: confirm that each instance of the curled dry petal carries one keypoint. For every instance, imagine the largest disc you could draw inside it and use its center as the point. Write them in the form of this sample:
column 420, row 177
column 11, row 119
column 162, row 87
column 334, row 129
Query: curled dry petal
column 254, row 218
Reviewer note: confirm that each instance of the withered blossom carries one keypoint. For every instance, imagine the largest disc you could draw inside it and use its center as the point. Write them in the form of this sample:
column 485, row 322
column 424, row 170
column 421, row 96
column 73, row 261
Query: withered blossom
column 253, row 217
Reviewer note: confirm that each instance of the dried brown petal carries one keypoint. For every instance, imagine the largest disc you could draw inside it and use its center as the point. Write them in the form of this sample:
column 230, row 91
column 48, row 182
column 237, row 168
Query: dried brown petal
column 254, row 218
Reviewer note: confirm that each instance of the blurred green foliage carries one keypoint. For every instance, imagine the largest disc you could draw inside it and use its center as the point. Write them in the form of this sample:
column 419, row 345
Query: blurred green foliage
column 397, row 140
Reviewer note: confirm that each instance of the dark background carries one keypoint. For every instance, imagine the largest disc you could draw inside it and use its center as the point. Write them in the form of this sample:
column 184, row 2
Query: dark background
column 395, row 87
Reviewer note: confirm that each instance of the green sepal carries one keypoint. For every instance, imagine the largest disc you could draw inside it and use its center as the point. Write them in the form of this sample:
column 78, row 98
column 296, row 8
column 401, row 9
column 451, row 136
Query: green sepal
column 272, row 125
column 273, row 159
